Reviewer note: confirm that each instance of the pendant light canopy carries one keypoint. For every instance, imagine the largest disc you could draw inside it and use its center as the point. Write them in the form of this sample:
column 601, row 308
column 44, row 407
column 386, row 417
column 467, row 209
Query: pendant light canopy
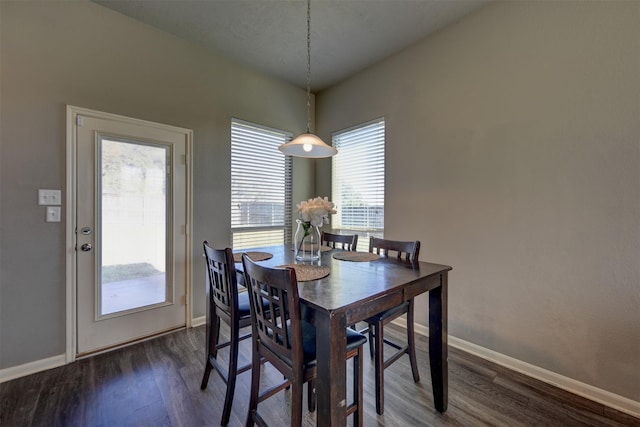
column 308, row 144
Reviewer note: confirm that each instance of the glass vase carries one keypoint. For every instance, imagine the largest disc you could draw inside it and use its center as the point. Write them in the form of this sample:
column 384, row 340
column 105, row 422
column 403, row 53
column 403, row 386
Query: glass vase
column 307, row 242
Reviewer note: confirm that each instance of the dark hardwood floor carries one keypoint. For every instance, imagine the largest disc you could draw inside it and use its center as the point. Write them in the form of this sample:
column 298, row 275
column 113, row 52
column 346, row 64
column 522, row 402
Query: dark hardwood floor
column 157, row 383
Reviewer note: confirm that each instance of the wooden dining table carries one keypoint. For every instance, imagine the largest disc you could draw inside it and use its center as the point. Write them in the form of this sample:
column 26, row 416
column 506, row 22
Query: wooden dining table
column 352, row 292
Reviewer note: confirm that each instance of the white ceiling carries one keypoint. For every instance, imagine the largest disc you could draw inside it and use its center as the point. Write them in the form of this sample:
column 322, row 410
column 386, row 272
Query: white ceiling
column 270, row 35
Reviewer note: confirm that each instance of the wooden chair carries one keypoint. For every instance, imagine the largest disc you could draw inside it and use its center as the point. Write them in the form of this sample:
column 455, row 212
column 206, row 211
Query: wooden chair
column 226, row 304
column 409, row 251
column 282, row 338
column 348, row 242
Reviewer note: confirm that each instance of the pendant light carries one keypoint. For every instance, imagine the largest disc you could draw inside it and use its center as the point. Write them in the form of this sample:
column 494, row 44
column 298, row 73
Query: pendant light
column 308, row 144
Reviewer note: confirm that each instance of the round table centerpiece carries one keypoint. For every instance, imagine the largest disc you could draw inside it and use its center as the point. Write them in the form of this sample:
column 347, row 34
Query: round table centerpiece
column 313, row 214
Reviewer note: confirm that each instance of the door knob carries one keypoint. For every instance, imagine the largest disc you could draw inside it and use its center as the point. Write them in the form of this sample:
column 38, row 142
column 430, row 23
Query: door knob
column 86, row 247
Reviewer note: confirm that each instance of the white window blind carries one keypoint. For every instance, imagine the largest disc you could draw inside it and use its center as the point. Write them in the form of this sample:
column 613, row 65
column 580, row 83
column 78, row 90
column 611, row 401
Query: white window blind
column 260, row 186
column 358, row 180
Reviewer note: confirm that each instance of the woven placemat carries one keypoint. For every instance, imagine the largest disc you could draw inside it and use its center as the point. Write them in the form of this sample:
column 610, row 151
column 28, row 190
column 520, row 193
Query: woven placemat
column 254, row 256
column 356, row 256
column 305, row 272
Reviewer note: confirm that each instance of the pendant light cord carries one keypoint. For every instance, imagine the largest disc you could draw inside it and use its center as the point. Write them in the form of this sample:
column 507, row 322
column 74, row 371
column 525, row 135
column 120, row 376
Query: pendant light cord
column 308, row 66
column 307, row 145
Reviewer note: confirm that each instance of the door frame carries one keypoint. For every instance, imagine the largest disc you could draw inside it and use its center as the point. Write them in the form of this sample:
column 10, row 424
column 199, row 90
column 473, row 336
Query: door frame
column 72, row 113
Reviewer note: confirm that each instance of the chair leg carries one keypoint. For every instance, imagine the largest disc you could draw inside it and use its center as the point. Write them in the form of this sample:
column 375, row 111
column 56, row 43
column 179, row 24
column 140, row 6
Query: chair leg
column 358, row 373
column 372, row 351
column 311, row 395
column 232, row 373
column 211, row 348
column 411, row 341
column 255, row 388
column 296, row 404
column 379, row 367
column 207, row 371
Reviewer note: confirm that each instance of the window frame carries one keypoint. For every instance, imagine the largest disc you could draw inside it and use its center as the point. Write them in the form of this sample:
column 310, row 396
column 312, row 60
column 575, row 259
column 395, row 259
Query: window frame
column 275, row 137
column 379, row 154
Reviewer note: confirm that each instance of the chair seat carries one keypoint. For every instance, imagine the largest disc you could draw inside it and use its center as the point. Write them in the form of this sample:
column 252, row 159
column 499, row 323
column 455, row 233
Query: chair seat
column 244, row 305
column 392, row 312
column 354, row 340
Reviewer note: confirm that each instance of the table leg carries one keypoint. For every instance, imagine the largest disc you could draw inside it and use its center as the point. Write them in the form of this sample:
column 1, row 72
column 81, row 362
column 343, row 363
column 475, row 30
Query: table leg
column 332, row 376
column 438, row 350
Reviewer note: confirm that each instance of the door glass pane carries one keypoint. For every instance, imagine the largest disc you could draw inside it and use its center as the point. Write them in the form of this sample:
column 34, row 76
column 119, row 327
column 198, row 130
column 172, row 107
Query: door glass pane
column 133, row 225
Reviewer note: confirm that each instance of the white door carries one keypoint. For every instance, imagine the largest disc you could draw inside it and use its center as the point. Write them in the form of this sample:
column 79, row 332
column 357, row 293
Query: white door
column 132, row 196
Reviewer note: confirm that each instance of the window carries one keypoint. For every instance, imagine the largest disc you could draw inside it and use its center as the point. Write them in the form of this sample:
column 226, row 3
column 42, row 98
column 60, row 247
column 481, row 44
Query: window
column 358, row 181
column 260, row 186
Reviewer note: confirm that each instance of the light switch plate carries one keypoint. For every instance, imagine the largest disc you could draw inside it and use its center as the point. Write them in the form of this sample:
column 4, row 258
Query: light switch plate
column 49, row 197
column 53, row 213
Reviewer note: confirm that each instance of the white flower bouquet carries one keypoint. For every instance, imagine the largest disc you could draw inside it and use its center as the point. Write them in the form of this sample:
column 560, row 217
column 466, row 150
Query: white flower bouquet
column 313, row 214
column 316, row 211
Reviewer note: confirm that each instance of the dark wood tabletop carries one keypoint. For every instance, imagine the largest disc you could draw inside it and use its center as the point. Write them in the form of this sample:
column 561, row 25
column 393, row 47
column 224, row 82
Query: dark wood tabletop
column 354, row 291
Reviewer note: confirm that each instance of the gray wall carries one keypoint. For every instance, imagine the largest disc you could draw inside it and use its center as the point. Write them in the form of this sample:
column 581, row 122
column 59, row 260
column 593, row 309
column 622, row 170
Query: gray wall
column 513, row 154
column 79, row 53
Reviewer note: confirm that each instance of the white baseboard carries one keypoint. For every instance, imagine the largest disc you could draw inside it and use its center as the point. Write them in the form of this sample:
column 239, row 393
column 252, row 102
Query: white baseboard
column 198, row 321
column 587, row 391
column 14, row 372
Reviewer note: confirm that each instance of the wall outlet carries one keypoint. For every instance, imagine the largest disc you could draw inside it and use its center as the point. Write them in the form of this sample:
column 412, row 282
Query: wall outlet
column 49, row 197
column 53, row 214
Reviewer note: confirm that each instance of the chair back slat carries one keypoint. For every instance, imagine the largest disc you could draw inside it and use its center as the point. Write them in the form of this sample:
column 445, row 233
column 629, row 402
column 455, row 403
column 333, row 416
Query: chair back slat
column 278, row 329
column 223, row 284
column 402, row 250
column 348, row 242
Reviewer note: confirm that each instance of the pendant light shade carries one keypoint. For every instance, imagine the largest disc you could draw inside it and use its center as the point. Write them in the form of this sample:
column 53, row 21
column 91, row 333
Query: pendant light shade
column 308, row 144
